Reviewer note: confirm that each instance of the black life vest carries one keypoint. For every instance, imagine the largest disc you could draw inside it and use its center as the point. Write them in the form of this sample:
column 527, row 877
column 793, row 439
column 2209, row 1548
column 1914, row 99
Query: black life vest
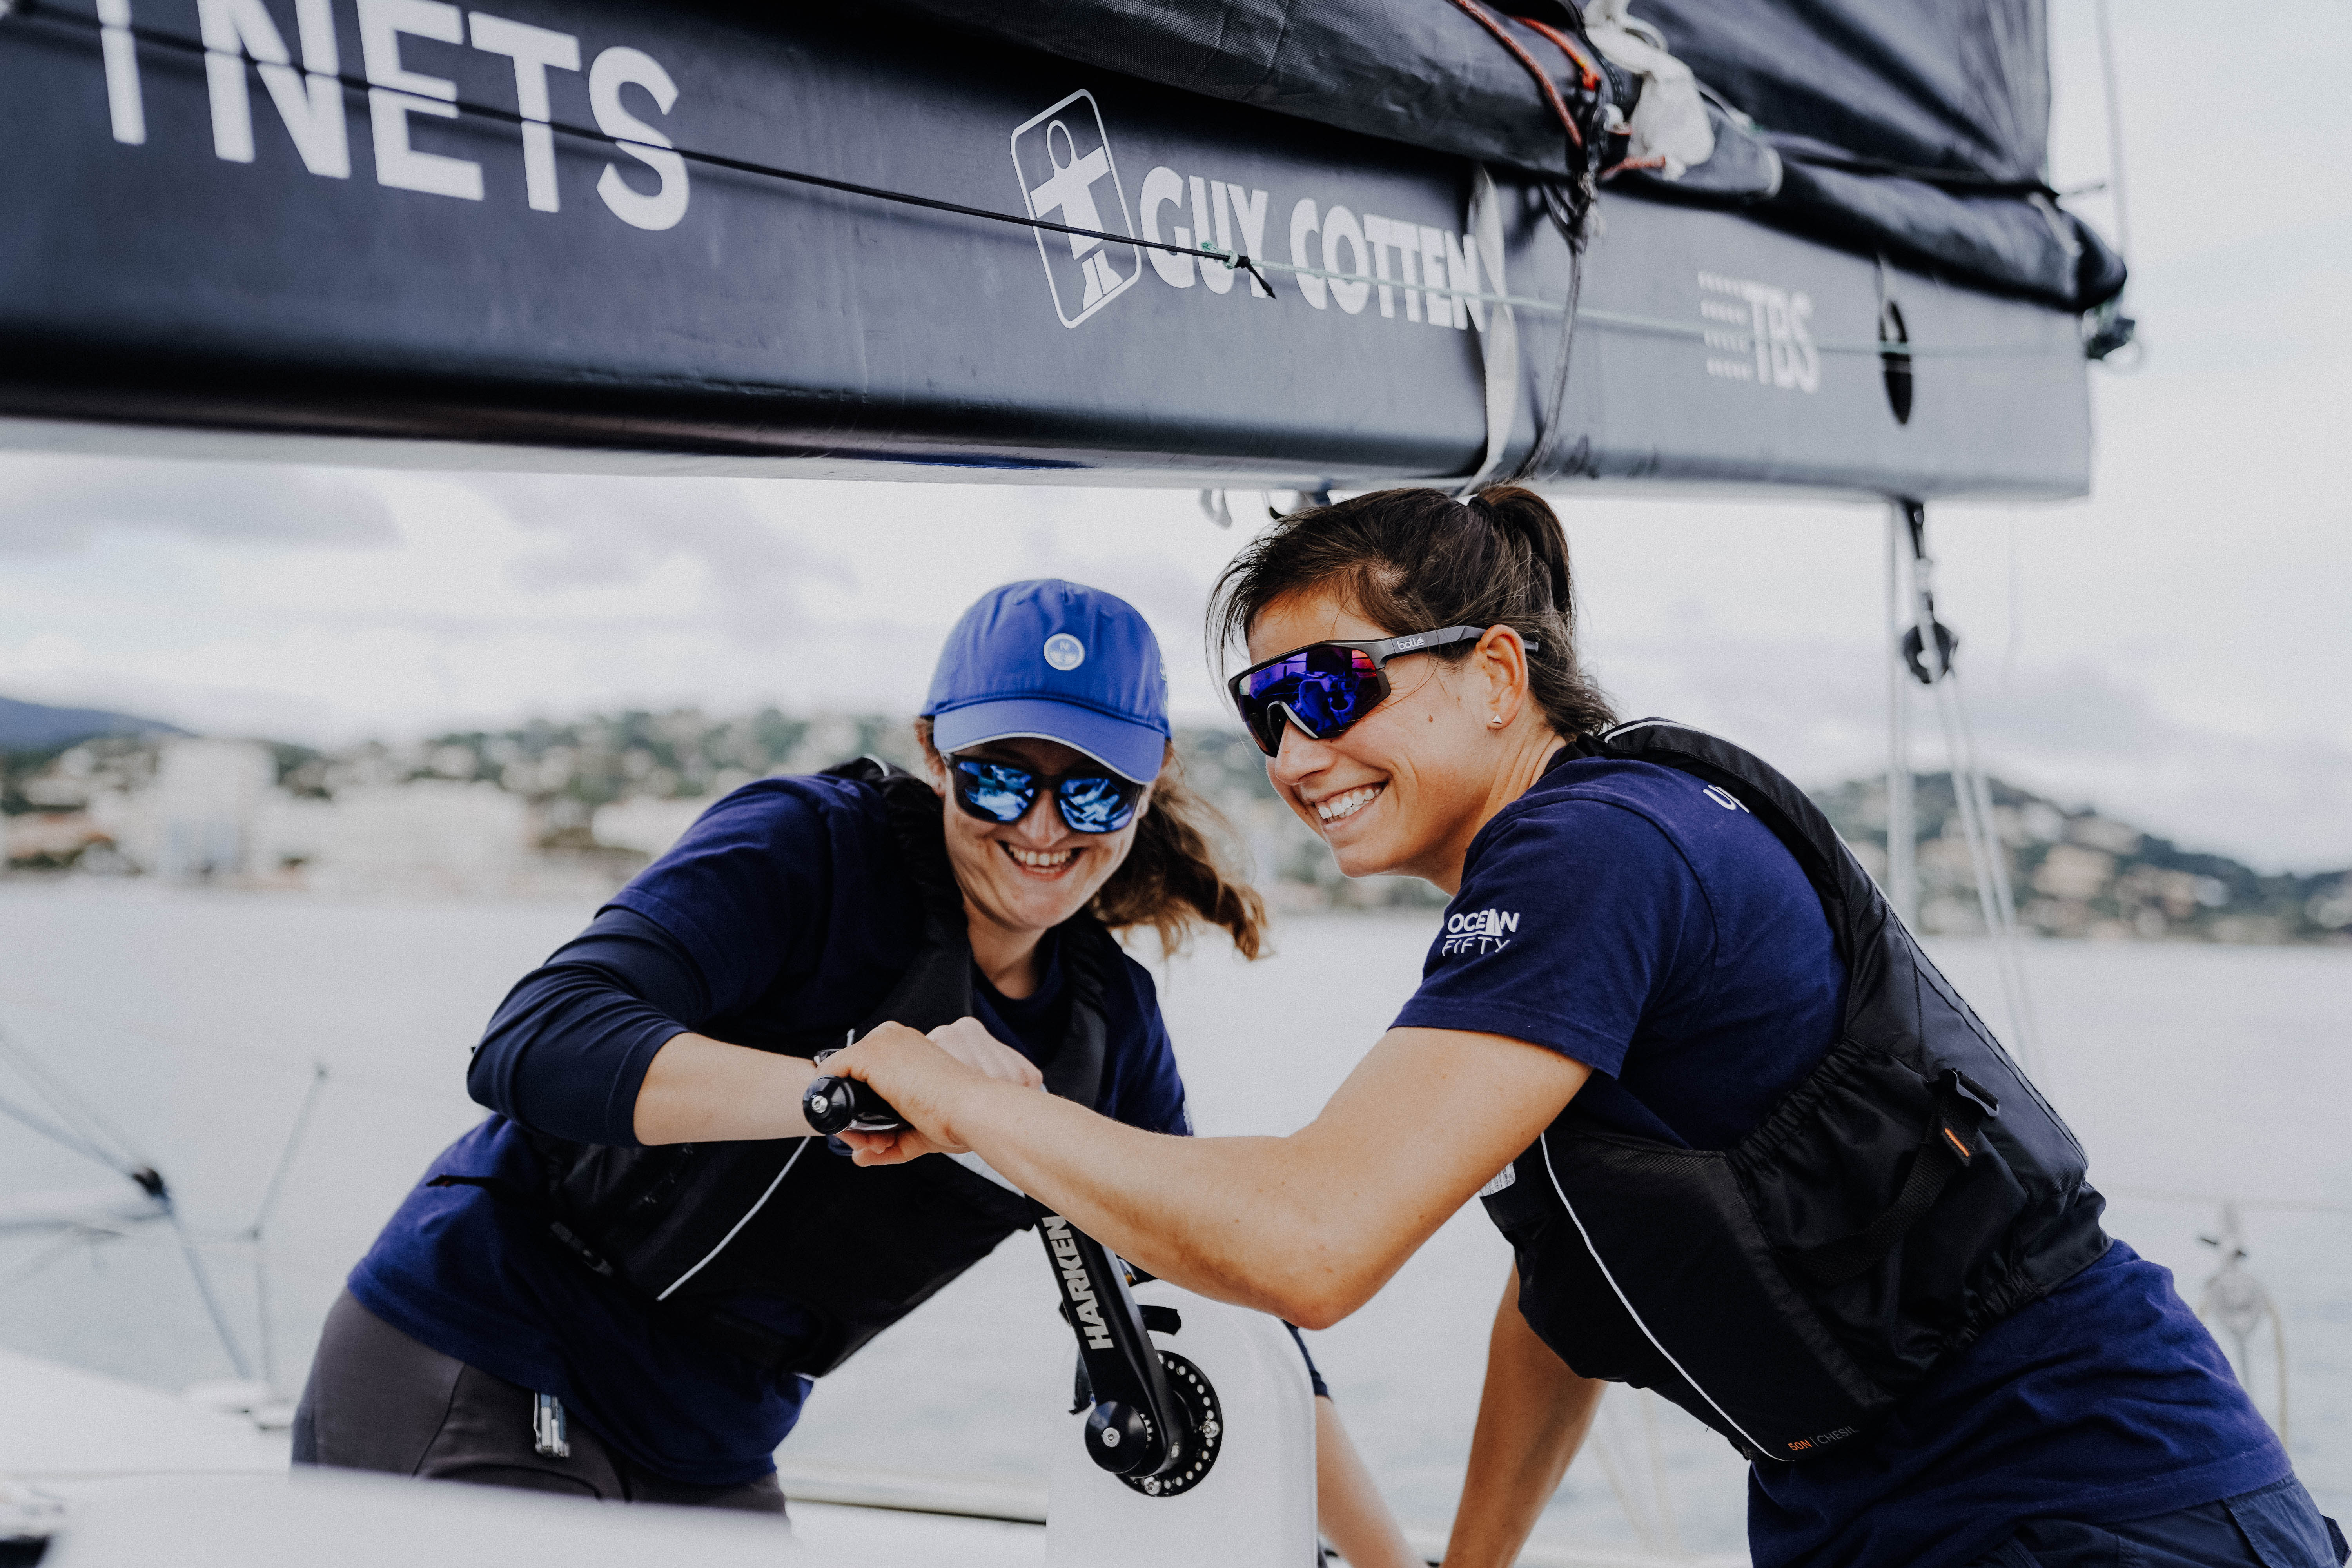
column 1912, row 1191
column 689, row 1225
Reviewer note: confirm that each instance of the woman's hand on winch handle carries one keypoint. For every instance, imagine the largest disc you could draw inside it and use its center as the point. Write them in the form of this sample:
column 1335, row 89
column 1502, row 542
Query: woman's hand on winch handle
column 968, row 1040
column 922, row 1076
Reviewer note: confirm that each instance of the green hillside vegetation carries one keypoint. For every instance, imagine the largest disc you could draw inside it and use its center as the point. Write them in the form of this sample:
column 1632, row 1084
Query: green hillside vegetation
column 2075, row 872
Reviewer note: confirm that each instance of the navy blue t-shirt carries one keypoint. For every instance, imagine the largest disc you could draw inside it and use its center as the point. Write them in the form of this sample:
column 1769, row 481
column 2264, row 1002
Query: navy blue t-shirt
column 780, row 920
column 1643, row 923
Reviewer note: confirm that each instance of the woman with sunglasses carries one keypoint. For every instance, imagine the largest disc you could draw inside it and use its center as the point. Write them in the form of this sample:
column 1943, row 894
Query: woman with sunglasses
column 1748, row 1148
column 620, row 1284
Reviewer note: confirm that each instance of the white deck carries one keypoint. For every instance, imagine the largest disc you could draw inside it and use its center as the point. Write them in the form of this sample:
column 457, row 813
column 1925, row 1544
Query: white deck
column 142, row 1477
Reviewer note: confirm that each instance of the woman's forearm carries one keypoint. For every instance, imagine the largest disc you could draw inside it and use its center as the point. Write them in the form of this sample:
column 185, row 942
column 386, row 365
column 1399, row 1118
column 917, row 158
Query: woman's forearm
column 1306, row 1226
column 1199, row 1211
column 701, row 1091
column 1532, row 1418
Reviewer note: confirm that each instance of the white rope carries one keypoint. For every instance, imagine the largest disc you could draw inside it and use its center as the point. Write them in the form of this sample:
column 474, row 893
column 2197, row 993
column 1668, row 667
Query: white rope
column 1659, row 326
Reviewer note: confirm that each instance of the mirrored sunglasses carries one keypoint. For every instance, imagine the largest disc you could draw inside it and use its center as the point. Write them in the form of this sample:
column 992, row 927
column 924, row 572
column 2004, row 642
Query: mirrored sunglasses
column 1091, row 798
column 1327, row 688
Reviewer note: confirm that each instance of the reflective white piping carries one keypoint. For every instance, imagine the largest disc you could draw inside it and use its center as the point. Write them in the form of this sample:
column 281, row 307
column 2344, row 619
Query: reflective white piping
column 1546, row 1141
column 739, row 1224
column 1615, row 730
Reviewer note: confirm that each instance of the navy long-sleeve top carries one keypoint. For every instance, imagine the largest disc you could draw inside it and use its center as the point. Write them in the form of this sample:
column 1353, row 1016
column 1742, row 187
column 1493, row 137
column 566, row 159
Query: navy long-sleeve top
column 567, row 1050
column 779, row 922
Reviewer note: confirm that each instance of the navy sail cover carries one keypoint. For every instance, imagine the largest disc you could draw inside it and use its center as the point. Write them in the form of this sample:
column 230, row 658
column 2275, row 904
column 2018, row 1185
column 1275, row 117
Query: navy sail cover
column 1914, row 129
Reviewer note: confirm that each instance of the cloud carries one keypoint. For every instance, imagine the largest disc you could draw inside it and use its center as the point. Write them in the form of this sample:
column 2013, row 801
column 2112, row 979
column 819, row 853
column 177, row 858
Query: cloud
column 53, row 506
column 2081, row 732
column 610, row 532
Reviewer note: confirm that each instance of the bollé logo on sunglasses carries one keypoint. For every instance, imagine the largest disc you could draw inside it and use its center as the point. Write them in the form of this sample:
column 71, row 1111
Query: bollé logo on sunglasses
column 1485, row 930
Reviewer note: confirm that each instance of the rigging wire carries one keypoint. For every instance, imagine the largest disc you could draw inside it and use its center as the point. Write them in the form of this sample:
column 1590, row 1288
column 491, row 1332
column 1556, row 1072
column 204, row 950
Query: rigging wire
column 1665, row 1503
column 257, row 1231
column 1239, row 261
column 1616, row 1480
column 39, row 11
column 2116, row 182
column 2111, row 330
column 58, row 1135
column 1931, row 663
column 1602, row 1440
column 2182, row 1196
column 1547, row 436
column 58, row 1247
column 95, row 1132
column 70, row 1109
column 2010, row 947
column 203, row 1277
column 172, row 1040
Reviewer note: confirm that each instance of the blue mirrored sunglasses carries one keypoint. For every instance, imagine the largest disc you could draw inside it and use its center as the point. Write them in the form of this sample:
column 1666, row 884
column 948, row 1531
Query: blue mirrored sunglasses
column 1092, row 799
column 1325, row 687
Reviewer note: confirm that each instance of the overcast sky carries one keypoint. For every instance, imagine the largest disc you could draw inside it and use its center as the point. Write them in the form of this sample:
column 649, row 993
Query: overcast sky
column 2178, row 648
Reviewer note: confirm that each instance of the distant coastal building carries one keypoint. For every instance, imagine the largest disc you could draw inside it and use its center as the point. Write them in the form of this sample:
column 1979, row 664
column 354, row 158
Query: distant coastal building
column 198, row 819
column 572, row 810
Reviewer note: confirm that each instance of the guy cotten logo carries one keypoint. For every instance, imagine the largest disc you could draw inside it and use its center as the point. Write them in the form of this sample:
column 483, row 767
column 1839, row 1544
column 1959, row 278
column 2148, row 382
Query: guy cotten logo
column 1074, row 1283
column 1486, row 930
column 1062, row 158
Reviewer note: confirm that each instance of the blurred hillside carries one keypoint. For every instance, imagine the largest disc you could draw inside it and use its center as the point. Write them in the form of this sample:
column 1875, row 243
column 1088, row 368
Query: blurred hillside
column 574, row 808
column 2075, row 872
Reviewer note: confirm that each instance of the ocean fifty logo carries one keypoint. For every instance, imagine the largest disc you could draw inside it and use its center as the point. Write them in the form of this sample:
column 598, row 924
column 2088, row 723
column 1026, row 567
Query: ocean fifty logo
column 1485, row 930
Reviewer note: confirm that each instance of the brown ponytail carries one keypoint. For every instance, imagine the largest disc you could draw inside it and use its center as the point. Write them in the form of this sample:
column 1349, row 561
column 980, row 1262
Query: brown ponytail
column 1414, row 560
column 1181, row 873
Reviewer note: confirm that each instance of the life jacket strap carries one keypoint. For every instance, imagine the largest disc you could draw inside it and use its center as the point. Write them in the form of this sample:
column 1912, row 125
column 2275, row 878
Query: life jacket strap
column 1948, row 1147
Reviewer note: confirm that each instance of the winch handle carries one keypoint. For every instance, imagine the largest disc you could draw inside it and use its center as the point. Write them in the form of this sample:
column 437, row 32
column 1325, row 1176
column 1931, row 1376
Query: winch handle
column 833, row 1105
column 1137, row 1429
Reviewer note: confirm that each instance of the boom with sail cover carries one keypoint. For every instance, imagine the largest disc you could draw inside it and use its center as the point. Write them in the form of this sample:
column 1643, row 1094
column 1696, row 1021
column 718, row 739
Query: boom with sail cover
column 589, row 233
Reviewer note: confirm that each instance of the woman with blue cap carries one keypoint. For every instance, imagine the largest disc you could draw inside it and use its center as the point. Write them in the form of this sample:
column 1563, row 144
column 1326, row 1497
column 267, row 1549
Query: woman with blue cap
column 620, row 1284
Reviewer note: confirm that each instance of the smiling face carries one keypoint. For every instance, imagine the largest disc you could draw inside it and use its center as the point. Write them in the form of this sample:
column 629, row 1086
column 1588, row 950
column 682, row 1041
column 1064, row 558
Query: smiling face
column 1409, row 785
column 1024, row 878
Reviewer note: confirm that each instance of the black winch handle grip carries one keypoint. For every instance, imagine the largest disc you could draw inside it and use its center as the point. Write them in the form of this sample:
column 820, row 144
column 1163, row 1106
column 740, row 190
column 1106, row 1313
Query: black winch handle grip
column 833, row 1105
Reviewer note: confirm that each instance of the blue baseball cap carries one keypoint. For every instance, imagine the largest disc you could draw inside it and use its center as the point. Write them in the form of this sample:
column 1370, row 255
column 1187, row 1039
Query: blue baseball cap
column 1054, row 661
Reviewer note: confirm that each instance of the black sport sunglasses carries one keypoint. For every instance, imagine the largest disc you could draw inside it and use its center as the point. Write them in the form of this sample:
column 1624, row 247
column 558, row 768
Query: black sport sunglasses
column 1326, row 687
column 1091, row 798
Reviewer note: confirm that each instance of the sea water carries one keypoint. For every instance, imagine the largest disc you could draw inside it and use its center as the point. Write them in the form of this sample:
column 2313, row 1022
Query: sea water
column 192, row 1020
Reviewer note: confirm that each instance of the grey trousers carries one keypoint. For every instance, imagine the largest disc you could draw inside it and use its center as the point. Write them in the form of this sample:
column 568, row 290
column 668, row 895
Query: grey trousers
column 377, row 1400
